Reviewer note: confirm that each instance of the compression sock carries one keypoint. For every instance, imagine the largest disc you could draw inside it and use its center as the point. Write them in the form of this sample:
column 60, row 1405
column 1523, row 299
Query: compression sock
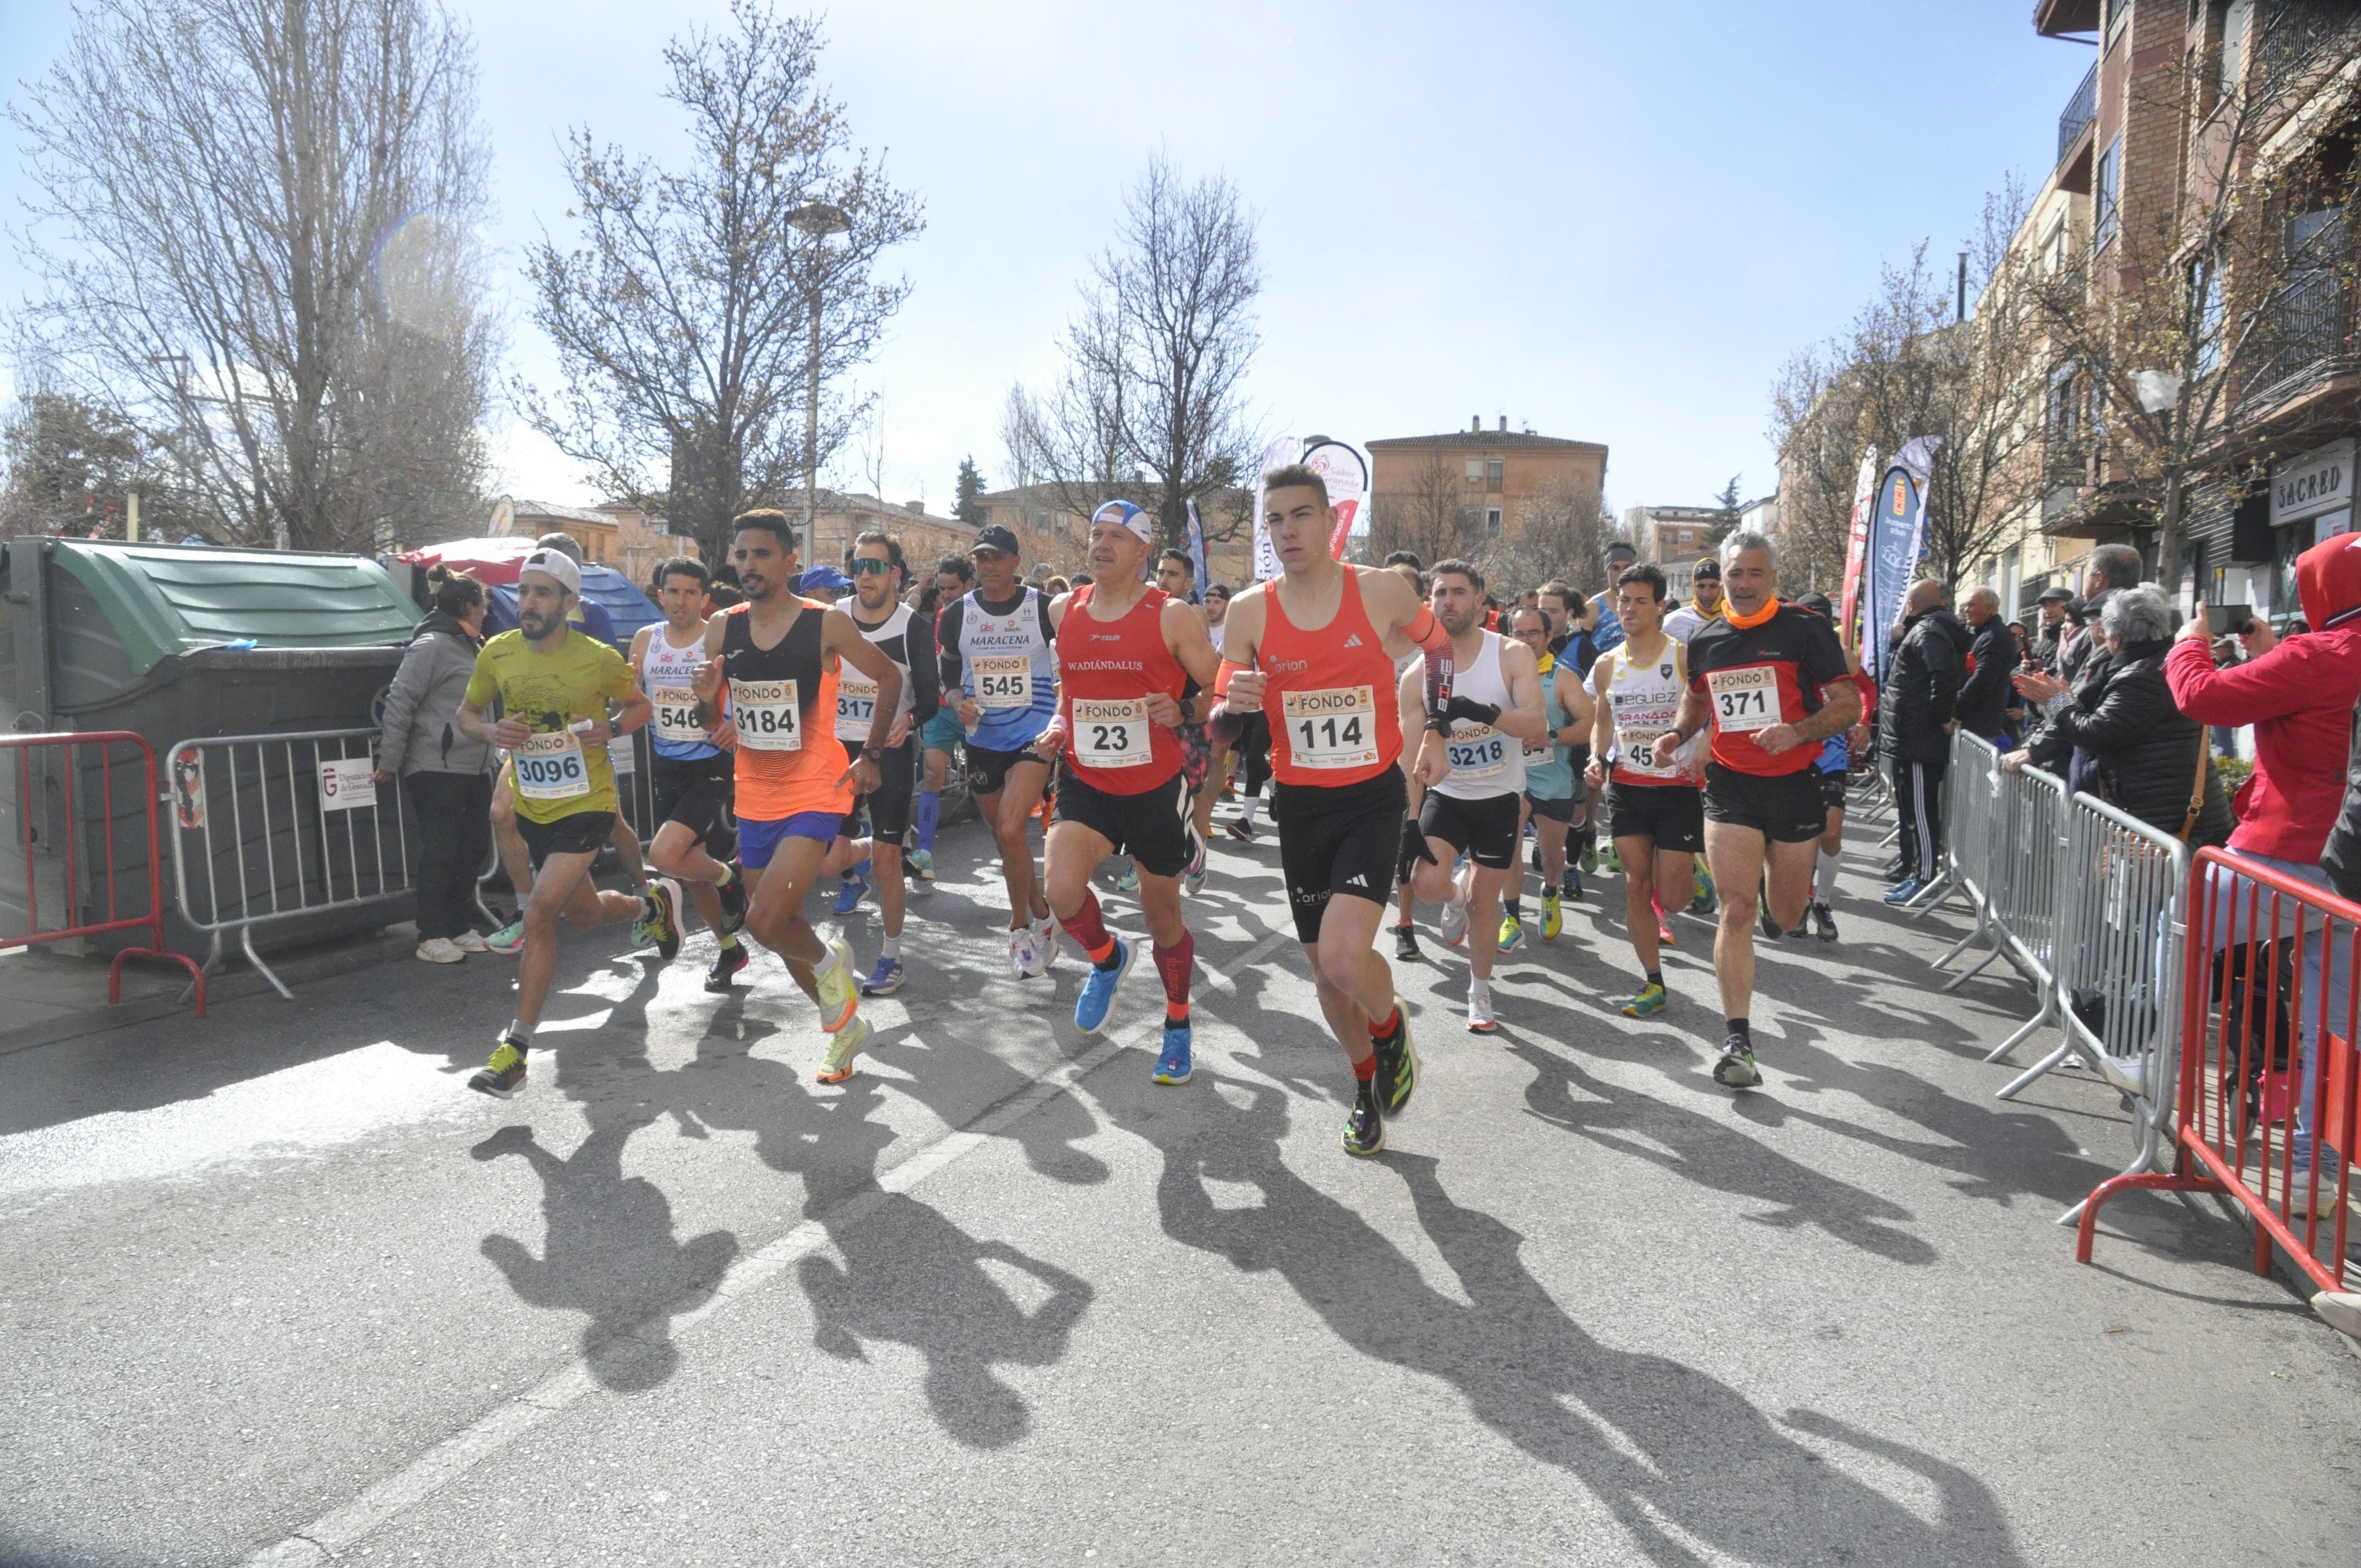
column 1173, row 964
column 859, row 873
column 1090, row 932
column 931, row 812
column 1824, row 885
column 1254, row 804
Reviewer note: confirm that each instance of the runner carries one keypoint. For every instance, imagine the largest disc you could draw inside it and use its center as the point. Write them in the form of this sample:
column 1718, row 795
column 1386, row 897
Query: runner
column 953, row 574
column 1315, row 646
column 1704, row 610
column 553, row 685
column 1554, row 766
column 778, row 659
column 1655, row 818
column 1835, row 760
column 1126, row 656
column 1769, row 678
column 996, row 653
column 695, row 842
column 877, row 571
column 1571, row 642
column 1413, row 842
column 1478, row 807
column 1217, row 756
column 1176, row 575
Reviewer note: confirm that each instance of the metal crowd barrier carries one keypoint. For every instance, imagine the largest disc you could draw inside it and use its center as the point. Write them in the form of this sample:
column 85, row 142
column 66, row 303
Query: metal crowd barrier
column 277, row 827
column 2267, row 1030
column 2028, row 858
column 54, row 822
column 1971, row 789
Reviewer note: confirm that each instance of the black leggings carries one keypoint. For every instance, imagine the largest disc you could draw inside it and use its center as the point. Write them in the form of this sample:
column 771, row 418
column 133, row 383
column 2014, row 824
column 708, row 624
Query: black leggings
column 1254, row 752
column 454, row 835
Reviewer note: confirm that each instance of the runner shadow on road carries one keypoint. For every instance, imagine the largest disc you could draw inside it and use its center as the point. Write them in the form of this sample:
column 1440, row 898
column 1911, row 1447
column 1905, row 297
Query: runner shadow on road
column 1687, row 1463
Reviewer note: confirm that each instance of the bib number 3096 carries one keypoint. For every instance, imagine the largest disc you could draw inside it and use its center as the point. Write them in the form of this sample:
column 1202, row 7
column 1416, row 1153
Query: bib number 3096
column 1333, row 728
column 550, row 767
column 1744, row 700
column 769, row 719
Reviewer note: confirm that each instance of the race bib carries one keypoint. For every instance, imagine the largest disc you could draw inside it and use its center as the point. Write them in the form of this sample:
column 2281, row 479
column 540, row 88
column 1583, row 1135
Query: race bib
column 1540, row 748
column 1112, row 734
column 1478, row 751
column 767, row 715
column 1333, row 728
column 676, row 715
column 1003, row 680
column 856, row 707
column 550, row 767
column 1744, row 700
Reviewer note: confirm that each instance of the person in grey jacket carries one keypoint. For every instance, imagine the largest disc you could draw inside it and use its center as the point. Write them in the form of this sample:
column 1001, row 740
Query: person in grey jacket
column 1921, row 699
column 447, row 775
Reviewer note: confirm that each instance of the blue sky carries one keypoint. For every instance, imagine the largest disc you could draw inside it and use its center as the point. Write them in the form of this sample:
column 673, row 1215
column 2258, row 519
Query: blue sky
column 1607, row 221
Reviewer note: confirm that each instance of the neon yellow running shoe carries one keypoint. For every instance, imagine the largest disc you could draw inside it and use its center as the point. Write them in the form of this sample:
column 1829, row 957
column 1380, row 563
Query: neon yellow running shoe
column 1651, row 1001
column 842, row 1047
column 834, row 981
column 1553, row 918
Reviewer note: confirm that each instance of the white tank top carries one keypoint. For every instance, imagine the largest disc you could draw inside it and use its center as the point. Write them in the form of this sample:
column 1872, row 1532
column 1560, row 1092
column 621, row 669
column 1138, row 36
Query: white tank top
column 665, row 675
column 1484, row 762
column 1645, row 700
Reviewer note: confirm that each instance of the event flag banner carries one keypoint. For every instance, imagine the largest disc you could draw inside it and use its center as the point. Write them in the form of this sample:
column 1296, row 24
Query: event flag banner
column 1197, row 555
column 1341, row 468
column 1857, row 548
column 1895, row 535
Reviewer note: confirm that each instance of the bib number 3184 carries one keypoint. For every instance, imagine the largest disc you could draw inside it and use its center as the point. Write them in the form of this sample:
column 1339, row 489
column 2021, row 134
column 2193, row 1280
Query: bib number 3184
column 767, row 715
column 1333, row 728
column 1744, row 700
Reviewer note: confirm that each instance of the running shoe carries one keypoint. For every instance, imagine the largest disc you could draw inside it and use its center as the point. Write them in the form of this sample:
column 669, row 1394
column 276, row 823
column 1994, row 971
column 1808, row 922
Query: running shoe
column 1196, row 866
column 508, row 940
column 1770, row 923
column 1512, row 933
column 1406, row 945
column 848, row 895
column 1045, row 944
column 503, row 1075
column 1905, row 891
column 1096, row 998
column 1708, row 899
column 1590, row 856
column 1365, row 1129
column 846, row 1044
column 662, row 913
column 1651, row 1001
column 440, row 951
column 1455, row 921
column 725, row 966
column 1824, row 922
column 1194, row 882
column 1022, row 961
column 884, row 980
column 1570, row 885
column 470, row 942
column 1664, row 934
column 921, row 864
column 1480, row 1008
column 1398, row 1063
column 1129, row 880
column 1241, row 831
column 1736, row 1069
column 733, row 900
column 1552, row 916
column 1608, row 860
column 834, row 981
column 1173, row 1066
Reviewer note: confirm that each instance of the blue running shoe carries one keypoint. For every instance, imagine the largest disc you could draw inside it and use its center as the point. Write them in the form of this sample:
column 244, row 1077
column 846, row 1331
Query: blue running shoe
column 1174, row 1066
column 848, row 897
column 1905, row 890
column 884, row 980
column 1129, row 880
column 1097, row 998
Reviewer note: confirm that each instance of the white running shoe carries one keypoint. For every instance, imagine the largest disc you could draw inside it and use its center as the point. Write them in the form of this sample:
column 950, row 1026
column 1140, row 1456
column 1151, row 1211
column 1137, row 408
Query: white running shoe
column 1045, row 943
column 471, row 942
column 1023, row 959
column 440, row 951
column 1479, row 1007
column 1455, row 921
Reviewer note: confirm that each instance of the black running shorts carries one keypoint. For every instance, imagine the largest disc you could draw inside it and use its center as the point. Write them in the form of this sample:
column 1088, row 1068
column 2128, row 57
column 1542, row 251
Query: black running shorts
column 888, row 806
column 579, row 833
column 1337, row 839
column 1833, row 787
column 1484, row 829
column 695, row 793
column 1151, row 826
column 1557, row 810
column 1670, row 815
column 987, row 770
column 1786, row 809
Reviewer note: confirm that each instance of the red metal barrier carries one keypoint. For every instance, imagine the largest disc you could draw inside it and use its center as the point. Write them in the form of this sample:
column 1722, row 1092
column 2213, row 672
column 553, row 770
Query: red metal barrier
column 2249, row 1000
column 68, row 824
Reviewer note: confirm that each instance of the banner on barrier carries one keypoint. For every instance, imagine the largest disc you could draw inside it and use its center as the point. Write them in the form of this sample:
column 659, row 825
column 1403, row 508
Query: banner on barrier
column 345, row 784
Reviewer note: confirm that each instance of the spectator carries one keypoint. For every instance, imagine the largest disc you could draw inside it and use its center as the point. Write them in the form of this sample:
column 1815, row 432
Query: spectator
column 2110, row 568
column 2054, row 625
column 1919, row 709
column 447, row 776
column 2124, row 730
column 1982, row 708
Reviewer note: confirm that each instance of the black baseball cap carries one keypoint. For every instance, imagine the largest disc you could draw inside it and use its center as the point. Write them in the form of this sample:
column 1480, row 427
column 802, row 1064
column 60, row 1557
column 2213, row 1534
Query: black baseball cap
column 2054, row 593
column 1817, row 603
column 992, row 536
column 1708, row 569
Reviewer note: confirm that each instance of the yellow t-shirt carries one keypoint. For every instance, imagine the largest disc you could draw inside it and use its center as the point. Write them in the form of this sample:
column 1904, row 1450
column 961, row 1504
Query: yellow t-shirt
column 555, row 774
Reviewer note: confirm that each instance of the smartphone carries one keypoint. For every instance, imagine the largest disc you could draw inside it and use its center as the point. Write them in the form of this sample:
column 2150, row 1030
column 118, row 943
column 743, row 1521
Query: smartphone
column 2229, row 619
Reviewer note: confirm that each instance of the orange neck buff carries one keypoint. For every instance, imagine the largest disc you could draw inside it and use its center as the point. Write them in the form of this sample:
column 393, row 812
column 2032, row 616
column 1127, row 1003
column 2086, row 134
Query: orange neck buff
column 1749, row 622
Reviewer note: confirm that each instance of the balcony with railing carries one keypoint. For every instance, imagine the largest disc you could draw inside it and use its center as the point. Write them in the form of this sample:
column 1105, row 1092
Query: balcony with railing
column 2304, row 341
column 2079, row 111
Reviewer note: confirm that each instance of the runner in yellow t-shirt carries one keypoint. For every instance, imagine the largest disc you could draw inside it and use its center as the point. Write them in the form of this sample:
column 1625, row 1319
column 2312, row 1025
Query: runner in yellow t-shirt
column 553, row 685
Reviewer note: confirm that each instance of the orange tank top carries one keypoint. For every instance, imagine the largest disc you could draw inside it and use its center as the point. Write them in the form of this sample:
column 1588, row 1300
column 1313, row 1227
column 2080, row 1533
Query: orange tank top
column 1329, row 694
column 783, row 699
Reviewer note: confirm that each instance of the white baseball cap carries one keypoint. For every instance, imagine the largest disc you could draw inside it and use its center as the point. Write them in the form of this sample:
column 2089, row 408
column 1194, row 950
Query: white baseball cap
column 557, row 565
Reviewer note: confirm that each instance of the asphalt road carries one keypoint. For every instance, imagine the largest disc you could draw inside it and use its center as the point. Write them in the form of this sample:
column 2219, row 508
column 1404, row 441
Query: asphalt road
column 274, row 1284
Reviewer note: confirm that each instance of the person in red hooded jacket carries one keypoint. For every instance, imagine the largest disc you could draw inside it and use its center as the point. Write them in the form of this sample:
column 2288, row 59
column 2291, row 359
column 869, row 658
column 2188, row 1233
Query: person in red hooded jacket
column 2299, row 695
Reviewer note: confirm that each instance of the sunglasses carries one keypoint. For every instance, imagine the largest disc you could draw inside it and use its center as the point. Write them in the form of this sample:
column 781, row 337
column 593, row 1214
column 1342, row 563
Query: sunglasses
column 868, row 567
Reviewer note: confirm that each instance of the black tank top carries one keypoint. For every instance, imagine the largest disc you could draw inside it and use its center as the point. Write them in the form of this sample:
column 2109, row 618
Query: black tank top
column 797, row 658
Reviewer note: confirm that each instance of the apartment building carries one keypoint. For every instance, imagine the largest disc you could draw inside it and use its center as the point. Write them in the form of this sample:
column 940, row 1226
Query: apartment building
column 1492, row 484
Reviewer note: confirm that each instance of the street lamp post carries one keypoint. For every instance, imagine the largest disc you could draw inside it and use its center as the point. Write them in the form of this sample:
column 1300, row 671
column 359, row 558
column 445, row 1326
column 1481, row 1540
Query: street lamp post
column 820, row 219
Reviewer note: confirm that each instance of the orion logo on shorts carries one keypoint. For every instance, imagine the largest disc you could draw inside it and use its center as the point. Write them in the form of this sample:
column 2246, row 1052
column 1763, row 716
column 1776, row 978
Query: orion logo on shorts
column 1311, row 895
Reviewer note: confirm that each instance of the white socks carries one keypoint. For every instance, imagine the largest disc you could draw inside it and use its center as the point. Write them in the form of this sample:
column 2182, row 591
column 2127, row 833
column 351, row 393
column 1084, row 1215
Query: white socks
column 1824, row 880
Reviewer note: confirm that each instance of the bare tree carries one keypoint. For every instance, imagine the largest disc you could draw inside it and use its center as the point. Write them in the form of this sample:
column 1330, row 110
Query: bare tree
column 1431, row 518
column 1562, row 535
column 683, row 317
column 2232, row 302
column 1151, row 397
column 268, row 266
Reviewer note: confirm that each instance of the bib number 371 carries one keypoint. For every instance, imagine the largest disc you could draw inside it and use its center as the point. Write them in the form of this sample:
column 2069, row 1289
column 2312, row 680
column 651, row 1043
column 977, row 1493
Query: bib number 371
column 1744, row 700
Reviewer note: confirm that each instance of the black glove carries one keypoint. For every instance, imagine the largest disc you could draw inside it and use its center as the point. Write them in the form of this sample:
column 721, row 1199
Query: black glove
column 1474, row 712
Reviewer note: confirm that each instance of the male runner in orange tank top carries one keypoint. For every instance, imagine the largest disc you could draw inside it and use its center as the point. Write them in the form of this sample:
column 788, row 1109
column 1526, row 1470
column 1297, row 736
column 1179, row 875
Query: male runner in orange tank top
column 1315, row 649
